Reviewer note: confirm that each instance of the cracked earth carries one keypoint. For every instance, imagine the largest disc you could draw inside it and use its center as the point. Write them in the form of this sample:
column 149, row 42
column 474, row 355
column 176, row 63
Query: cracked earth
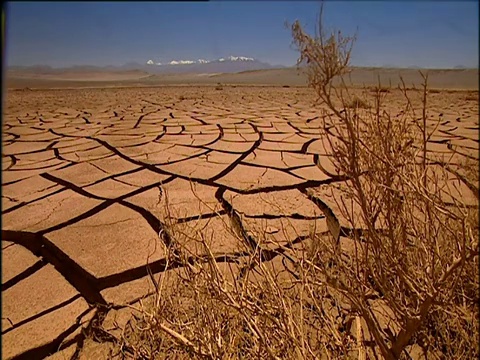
column 85, row 173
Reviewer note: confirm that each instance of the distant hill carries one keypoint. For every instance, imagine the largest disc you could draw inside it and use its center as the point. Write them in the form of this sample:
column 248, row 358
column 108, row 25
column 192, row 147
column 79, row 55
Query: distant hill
column 231, row 64
column 133, row 75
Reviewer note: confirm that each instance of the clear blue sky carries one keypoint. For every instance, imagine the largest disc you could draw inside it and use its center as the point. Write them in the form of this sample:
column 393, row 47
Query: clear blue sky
column 439, row 34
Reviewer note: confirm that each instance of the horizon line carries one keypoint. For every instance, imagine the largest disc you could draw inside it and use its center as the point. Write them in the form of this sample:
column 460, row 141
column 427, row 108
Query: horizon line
column 277, row 66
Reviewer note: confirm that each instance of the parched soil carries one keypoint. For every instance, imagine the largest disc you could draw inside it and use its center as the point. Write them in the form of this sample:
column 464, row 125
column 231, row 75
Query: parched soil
column 86, row 172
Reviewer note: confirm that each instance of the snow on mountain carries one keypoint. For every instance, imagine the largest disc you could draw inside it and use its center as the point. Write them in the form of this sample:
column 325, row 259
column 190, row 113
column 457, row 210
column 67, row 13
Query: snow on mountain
column 240, row 58
column 151, row 62
column 181, row 62
column 203, row 61
column 230, row 64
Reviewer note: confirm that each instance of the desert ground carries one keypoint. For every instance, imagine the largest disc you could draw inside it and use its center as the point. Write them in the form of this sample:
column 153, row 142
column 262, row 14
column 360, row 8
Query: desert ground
column 86, row 173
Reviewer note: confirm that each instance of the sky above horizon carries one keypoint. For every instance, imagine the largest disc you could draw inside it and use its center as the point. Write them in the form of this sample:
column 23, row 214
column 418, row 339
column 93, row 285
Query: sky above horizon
column 430, row 34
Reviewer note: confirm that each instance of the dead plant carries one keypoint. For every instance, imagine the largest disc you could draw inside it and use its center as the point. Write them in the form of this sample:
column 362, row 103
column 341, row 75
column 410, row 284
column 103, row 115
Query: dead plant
column 417, row 255
column 248, row 307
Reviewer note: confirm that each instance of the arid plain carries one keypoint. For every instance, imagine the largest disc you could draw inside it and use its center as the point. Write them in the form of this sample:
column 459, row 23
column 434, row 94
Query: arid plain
column 87, row 168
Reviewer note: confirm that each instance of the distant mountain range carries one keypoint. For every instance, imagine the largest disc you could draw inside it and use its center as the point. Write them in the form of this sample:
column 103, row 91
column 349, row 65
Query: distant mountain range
column 202, row 61
column 230, row 64
column 226, row 65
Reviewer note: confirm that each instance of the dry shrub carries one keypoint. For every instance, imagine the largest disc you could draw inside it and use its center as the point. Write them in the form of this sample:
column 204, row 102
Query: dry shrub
column 242, row 306
column 418, row 253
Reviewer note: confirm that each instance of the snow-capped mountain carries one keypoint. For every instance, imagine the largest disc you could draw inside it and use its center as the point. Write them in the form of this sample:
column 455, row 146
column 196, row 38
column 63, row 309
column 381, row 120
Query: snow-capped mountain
column 202, row 61
column 228, row 64
column 182, row 62
column 237, row 58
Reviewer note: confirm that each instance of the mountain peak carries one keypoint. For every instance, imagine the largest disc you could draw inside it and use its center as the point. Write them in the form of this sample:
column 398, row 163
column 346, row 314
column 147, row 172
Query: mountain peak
column 236, row 58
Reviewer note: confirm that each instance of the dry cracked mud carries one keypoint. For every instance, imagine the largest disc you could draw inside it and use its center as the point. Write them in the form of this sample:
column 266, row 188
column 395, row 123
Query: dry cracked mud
column 84, row 173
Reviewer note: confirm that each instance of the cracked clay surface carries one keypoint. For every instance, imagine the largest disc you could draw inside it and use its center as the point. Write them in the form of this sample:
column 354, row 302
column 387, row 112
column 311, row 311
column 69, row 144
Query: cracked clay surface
column 85, row 175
